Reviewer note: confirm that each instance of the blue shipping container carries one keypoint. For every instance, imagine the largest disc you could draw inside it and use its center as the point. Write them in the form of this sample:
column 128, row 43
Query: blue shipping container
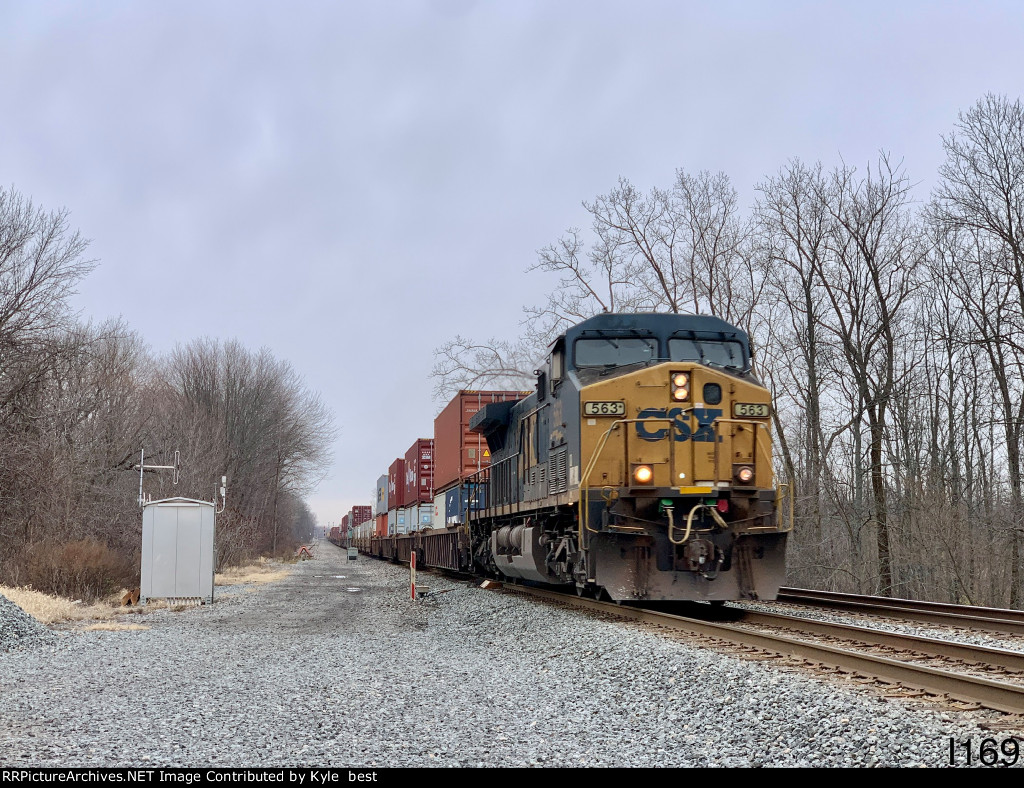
column 471, row 497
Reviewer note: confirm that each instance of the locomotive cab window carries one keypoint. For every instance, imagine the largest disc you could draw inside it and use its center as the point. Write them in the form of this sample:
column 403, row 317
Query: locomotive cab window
column 557, row 366
column 614, row 351
column 714, row 352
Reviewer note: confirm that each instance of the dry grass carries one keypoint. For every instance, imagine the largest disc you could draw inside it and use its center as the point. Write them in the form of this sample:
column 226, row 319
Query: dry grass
column 114, row 626
column 264, row 571
column 49, row 609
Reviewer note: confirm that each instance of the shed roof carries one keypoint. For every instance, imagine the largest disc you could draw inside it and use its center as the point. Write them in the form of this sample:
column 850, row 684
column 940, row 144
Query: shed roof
column 178, row 502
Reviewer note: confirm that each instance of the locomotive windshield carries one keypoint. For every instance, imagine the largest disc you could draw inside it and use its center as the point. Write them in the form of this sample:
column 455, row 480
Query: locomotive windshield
column 615, row 351
column 715, row 352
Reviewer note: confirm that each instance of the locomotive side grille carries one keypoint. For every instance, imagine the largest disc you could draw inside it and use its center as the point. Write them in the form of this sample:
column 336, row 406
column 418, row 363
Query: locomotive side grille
column 558, row 481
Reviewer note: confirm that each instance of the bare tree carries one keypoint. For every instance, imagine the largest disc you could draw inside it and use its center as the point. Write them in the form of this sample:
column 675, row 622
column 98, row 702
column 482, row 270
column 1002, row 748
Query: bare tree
column 40, row 265
column 461, row 363
column 869, row 277
column 685, row 248
column 250, row 417
column 979, row 203
column 602, row 278
column 79, row 401
column 794, row 226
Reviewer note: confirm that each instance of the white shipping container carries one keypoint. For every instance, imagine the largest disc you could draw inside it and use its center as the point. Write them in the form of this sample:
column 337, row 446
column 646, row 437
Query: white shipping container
column 398, row 522
column 438, row 511
column 421, row 517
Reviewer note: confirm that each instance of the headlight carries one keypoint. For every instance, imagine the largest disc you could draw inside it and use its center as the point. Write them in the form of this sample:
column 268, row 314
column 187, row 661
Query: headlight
column 680, row 386
column 643, row 474
column 744, row 474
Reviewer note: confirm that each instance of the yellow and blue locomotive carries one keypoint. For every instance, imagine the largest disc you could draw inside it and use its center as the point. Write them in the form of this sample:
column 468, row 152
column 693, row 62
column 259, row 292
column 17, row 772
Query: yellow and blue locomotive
column 640, row 469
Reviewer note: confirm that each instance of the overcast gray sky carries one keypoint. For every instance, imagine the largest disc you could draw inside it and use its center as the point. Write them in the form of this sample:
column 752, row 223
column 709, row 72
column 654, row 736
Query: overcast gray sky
column 352, row 183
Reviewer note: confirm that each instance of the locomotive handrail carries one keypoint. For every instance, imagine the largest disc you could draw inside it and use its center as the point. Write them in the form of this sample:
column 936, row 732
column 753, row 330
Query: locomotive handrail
column 501, row 490
column 585, row 478
column 504, row 478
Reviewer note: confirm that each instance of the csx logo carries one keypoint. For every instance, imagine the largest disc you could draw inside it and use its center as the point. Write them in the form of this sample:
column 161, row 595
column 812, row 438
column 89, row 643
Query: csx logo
column 704, row 431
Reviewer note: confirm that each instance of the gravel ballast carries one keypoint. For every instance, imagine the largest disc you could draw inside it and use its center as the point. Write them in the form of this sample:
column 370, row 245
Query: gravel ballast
column 18, row 630
column 336, row 666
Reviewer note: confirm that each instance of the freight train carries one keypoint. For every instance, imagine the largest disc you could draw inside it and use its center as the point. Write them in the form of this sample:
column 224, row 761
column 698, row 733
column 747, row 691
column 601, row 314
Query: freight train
column 338, row 534
column 640, row 468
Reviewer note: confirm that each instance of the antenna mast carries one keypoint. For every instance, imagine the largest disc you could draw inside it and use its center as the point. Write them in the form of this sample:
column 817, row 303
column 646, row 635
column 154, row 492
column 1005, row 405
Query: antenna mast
column 143, row 468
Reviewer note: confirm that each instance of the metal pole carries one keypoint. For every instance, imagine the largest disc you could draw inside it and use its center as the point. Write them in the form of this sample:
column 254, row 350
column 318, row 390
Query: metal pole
column 142, row 466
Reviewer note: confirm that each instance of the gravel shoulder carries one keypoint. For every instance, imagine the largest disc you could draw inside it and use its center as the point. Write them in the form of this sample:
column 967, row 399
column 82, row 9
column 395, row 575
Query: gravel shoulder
column 335, row 666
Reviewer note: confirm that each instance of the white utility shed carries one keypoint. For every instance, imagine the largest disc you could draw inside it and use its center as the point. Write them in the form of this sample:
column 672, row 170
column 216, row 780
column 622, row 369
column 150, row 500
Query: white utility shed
column 177, row 550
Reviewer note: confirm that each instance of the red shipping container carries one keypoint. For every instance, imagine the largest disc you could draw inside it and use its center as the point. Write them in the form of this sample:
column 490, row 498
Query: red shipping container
column 419, row 472
column 458, row 453
column 345, row 522
column 396, row 484
column 381, row 526
column 360, row 514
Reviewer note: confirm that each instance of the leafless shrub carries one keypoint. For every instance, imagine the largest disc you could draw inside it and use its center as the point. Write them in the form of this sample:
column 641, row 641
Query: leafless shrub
column 85, row 569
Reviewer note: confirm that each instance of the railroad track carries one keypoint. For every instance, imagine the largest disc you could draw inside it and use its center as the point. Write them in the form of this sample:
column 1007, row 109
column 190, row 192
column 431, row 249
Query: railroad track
column 983, row 619
column 875, row 654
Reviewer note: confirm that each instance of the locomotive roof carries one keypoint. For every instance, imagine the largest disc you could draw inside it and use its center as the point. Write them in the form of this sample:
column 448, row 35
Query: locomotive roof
column 655, row 323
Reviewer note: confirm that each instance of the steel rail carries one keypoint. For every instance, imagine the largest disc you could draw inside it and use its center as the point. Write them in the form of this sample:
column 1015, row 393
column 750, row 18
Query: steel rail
column 932, row 647
column 991, row 694
column 986, row 619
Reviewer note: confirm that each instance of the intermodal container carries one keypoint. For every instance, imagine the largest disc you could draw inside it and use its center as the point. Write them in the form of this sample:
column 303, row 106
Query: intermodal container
column 463, row 499
column 439, row 520
column 360, row 514
column 382, row 525
column 458, row 452
column 396, row 484
column 421, row 517
column 382, row 496
column 419, row 472
column 398, row 522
